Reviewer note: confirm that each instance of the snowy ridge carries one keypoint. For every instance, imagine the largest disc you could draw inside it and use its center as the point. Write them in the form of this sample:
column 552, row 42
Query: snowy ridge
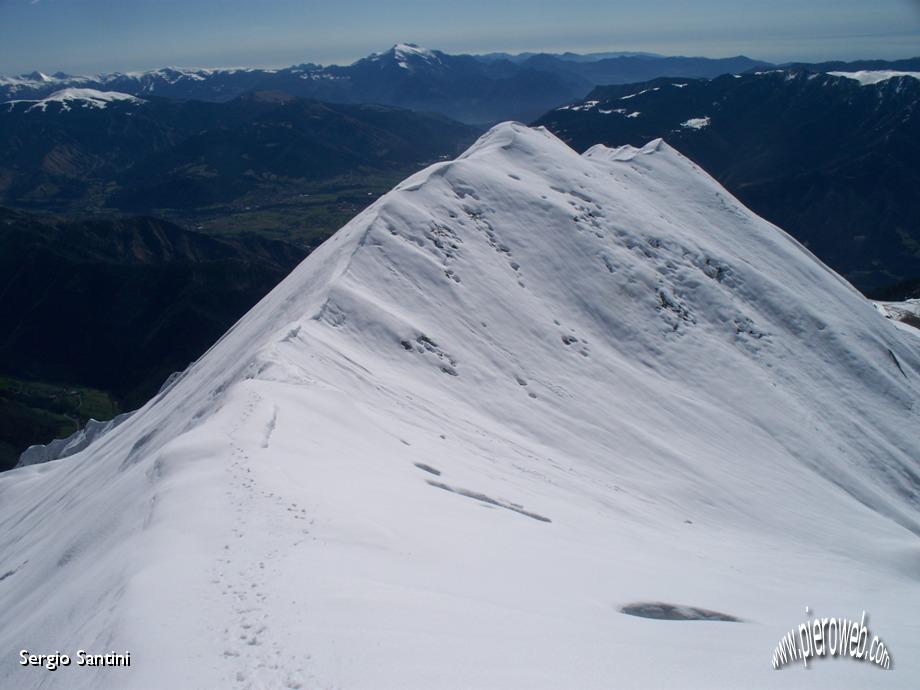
column 65, row 447
column 521, row 391
column 869, row 77
column 145, row 81
column 39, row 78
column 71, row 97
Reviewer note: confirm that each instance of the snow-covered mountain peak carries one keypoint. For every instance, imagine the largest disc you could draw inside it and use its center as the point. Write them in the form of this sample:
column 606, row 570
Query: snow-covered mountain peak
column 38, row 76
column 407, row 56
column 405, row 51
column 520, row 391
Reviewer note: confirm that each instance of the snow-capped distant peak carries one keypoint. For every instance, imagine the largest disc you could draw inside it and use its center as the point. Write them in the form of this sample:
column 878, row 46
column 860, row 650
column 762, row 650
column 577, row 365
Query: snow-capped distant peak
column 410, row 50
column 83, row 98
column 869, row 77
column 39, row 76
column 408, row 55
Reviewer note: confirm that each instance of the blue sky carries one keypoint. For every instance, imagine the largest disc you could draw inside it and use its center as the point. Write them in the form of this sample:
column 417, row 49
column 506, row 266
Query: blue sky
column 83, row 36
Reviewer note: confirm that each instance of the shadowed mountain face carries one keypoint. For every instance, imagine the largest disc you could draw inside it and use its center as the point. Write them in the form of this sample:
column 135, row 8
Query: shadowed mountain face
column 833, row 162
column 155, row 153
column 119, row 305
column 137, row 298
column 464, row 87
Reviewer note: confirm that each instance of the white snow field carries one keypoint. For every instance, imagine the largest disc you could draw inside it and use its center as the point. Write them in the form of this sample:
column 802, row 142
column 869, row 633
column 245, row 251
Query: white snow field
column 524, row 389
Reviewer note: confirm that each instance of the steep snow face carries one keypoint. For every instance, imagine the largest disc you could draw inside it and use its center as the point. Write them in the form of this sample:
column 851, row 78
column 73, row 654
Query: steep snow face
column 79, row 98
column 523, row 390
column 868, row 77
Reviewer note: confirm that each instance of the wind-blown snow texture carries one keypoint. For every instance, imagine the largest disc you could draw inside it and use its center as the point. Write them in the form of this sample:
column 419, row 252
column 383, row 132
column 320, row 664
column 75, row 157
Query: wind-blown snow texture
column 521, row 391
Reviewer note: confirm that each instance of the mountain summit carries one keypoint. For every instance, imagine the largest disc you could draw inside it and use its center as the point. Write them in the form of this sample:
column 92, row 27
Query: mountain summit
column 409, row 56
column 521, row 394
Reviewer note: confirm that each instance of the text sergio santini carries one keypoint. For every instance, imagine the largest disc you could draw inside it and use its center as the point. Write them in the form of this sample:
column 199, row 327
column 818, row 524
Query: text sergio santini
column 82, row 658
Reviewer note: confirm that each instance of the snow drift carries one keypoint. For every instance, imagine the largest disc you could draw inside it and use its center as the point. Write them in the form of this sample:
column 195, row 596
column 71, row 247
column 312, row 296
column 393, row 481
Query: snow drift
column 524, row 390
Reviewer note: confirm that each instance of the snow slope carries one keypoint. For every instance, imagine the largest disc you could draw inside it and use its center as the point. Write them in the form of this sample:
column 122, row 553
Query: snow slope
column 524, row 389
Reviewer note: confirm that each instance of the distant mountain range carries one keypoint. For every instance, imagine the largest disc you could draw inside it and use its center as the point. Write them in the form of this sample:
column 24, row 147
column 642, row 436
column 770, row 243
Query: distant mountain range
column 573, row 57
column 472, row 89
column 834, row 160
column 81, row 148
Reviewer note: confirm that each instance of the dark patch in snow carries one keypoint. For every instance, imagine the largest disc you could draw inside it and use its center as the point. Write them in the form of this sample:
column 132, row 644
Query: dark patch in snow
column 896, row 363
column 673, row 612
column 332, row 314
column 291, row 335
column 67, row 557
column 746, row 327
column 428, row 468
column 714, row 270
column 135, row 452
column 669, row 303
column 426, row 344
column 270, row 428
